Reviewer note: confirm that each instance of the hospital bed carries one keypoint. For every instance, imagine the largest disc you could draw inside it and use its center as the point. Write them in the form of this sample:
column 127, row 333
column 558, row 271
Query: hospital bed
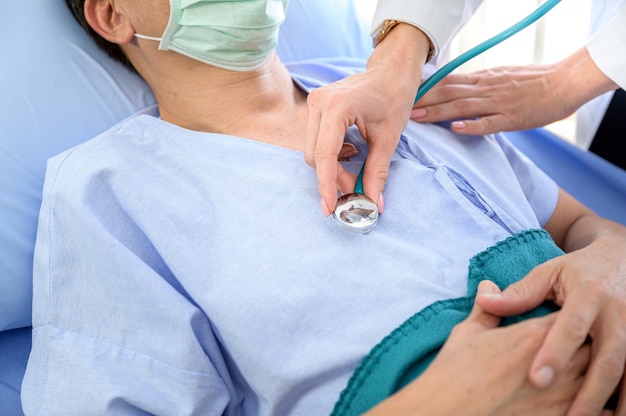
column 59, row 90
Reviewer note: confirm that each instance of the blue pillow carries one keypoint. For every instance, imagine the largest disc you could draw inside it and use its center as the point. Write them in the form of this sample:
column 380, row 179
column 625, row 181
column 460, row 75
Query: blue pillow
column 317, row 29
column 59, row 89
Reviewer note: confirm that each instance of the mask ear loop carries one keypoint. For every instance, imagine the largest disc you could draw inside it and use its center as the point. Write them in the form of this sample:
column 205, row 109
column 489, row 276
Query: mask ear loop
column 137, row 35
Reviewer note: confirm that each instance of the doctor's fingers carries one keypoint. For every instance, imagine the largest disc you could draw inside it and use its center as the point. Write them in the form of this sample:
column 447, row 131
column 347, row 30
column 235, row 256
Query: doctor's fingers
column 450, row 88
column 464, row 85
column 453, row 102
column 325, row 134
column 504, row 90
column 584, row 312
column 332, row 177
column 484, row 125
column 383, row 142
column 605, row 373
column 478, row 320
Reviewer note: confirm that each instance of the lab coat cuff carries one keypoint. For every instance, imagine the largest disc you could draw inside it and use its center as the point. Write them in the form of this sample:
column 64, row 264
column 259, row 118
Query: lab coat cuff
column 606, row 48
column 381, row 17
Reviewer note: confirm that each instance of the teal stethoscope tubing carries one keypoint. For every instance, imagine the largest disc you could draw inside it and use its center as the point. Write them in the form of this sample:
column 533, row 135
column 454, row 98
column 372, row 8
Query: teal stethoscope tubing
column 461, row 59
column 489, row 43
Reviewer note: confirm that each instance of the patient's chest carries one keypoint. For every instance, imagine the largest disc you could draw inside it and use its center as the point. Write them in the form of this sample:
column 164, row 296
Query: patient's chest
column 290, row 295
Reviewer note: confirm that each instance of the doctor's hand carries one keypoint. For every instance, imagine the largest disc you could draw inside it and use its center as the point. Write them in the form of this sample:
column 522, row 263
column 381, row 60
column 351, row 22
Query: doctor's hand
column 513, row 98
column 378, row 101
column 589, row 283
column 482, row 370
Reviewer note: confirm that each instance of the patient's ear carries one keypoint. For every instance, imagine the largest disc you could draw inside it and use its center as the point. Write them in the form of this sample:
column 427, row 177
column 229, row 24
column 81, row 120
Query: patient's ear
column 109, row 21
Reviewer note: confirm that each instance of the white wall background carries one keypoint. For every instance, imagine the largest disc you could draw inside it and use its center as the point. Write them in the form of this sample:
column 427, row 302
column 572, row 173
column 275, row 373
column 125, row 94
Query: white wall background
column 554, row 36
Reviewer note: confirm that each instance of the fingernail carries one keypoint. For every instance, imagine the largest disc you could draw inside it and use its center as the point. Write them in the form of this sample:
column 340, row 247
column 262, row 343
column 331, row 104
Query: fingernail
column 491, row 295
column 380, row 203
column 418, row 113
column 486, row 287
column 459, row 125
column 543, row 377
column 348, row 150
column 325, row 208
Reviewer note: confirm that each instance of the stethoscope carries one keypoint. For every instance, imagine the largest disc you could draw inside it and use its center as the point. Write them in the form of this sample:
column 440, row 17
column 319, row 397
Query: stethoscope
column 356, row 212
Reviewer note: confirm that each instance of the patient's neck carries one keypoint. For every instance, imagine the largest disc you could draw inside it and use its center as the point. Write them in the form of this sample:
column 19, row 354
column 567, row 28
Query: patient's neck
column 262, row 105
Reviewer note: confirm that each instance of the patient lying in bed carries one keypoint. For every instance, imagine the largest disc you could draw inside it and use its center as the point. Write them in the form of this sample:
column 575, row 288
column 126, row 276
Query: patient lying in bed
column 182, row 265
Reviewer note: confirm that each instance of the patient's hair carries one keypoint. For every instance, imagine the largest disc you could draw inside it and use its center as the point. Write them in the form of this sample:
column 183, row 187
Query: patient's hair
column 77, row 7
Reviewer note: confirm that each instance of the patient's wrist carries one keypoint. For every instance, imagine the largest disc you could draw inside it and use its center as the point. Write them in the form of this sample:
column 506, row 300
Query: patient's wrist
column 423, row 396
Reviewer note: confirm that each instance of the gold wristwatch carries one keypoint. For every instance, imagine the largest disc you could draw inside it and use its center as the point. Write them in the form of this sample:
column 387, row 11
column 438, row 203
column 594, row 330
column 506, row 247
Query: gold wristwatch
column 384, row 30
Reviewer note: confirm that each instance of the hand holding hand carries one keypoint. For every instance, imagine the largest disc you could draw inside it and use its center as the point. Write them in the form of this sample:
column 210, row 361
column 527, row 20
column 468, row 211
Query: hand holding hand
column 590, row 284
column 482, row 369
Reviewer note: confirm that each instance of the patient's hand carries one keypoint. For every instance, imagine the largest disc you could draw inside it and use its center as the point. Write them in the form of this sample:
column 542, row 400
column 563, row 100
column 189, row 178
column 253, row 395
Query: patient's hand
column 378, row 101
column 482, row 370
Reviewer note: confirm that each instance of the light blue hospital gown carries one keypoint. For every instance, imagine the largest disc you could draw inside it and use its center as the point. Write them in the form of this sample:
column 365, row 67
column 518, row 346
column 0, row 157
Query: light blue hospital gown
column 180, row 272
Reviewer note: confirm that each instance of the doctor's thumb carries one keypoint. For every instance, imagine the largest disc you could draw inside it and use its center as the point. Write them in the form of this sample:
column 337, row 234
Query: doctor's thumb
column 479, row 320
column 519, row 297
column 487, row 287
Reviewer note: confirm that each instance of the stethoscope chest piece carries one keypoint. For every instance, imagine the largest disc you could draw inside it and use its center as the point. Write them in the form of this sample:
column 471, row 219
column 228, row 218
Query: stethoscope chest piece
column 356, row 212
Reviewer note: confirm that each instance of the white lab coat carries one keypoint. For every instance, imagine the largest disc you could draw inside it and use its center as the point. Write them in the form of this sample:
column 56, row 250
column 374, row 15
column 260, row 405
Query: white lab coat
column 439, row 20
column 607, row 43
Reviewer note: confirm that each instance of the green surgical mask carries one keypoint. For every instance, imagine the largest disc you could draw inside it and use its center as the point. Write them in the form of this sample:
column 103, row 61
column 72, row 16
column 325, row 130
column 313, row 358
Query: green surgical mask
column 232, row 34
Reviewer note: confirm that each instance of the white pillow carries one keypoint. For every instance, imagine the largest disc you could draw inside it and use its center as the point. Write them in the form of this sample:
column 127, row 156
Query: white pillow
column 58, row 90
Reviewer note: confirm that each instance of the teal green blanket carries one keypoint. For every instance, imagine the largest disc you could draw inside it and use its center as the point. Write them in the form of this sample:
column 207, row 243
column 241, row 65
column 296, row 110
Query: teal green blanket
column 406, row 352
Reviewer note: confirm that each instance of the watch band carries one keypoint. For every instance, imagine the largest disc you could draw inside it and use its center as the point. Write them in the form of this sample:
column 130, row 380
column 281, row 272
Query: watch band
column 384, row 30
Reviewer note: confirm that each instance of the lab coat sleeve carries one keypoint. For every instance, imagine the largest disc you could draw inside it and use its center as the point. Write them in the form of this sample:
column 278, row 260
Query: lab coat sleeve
column 439, row 20
column 608, row 46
